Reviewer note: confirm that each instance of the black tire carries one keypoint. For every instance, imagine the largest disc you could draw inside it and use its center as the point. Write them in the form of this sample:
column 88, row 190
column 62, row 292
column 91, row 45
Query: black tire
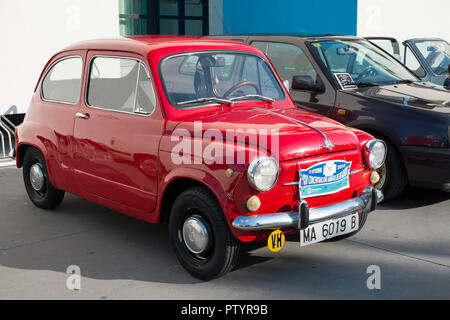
column 393, row 177
column 362, row 222
column 48, row 197
column 222, row 254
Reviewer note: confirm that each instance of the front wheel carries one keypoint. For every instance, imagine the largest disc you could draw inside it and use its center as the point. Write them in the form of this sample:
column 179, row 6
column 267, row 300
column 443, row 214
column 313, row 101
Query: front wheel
column 35, row 176
column 393, row 177
column 199, row 233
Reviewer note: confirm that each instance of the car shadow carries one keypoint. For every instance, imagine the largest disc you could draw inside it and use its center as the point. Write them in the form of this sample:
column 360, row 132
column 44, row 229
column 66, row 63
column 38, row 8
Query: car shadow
column 414, row 197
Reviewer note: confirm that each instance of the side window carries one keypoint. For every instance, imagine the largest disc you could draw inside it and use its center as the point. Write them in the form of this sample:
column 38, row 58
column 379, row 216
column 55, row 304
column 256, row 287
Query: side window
column 256, row 71
column 62, row 83
column 146, row 99
column 413, row 64
column 250, row 70
column 288, row 59
column 391, row 47
column 120, row 84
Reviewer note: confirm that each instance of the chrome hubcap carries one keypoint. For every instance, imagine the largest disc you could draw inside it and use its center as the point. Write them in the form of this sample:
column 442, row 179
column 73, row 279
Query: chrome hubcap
column 37, row 177
column 196, row 234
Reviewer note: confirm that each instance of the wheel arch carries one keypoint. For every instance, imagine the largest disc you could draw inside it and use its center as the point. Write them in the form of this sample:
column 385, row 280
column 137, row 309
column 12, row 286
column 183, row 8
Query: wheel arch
column 379, row 133
column 175, row 187
column 22, row 149
column 377, row 130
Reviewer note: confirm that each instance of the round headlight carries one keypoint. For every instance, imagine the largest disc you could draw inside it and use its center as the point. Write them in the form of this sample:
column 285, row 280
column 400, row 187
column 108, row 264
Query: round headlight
column 375, row 153
column 262, row 173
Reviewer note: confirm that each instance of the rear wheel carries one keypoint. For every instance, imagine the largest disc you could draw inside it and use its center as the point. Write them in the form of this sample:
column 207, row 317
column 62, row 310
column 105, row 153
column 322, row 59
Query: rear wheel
column 38, row 186
column 199, row 233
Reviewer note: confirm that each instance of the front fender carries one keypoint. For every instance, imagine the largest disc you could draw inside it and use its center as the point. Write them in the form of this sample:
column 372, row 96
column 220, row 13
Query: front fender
column 230, row 191
column 203, row 177
column 375, row 126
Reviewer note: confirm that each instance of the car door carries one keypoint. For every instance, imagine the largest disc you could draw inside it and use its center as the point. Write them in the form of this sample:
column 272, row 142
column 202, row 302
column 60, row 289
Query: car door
column 59, row 99
column 117, row 131
column 290, row 58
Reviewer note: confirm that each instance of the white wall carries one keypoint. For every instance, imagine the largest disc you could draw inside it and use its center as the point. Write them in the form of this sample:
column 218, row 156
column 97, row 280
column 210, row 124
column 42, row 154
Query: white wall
column 404, row 19
column 32, row 31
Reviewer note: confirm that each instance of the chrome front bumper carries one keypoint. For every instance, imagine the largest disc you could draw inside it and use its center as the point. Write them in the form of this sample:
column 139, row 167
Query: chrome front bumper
column 366, row 202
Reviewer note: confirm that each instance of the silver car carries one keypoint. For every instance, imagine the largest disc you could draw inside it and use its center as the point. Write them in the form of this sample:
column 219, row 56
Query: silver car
column 428, row 58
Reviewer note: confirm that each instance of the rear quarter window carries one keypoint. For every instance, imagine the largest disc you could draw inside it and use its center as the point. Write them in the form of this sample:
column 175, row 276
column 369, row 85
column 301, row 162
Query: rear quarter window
column 62, row 82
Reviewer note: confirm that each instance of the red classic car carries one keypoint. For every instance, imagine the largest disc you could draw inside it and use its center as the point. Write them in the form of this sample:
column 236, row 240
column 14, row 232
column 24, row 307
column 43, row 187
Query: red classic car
column 198, row 133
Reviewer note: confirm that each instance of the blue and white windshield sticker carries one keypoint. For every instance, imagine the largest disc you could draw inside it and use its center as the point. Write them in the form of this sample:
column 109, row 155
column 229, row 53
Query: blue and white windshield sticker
column 325, row 178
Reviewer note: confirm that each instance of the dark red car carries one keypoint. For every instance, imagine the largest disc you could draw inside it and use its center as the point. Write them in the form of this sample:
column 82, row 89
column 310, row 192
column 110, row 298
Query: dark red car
column 197, row 132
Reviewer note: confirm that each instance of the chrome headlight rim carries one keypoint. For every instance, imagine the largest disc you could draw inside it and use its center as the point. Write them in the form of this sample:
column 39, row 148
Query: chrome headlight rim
column 252, row 169
column 369, row 148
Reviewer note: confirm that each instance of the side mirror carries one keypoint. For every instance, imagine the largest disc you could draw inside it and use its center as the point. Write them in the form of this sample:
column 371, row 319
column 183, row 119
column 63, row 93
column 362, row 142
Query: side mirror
column 306, row 83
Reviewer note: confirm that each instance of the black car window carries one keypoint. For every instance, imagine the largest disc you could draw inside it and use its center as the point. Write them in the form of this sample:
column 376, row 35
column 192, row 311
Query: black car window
column 288, row 59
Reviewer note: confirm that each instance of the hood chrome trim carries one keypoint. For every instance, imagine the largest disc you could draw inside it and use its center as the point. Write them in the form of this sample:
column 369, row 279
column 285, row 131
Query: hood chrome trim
column 327, row 142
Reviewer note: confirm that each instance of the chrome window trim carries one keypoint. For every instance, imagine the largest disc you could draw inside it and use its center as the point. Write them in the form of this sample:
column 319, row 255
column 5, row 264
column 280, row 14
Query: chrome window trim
column 50, row 68
column 141, row 62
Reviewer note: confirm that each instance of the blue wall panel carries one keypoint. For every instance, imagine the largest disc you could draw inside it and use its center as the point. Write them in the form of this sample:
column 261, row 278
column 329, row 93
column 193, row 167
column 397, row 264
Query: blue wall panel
column 290, row 16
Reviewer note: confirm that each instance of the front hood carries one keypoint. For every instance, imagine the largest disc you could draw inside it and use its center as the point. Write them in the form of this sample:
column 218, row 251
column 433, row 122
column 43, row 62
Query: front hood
column 419, row 94
column 286, row 138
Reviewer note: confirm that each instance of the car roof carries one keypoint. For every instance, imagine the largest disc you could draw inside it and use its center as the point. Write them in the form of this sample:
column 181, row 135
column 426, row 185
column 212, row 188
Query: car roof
column 306, row 36
column 150, row 43
column 426, row 39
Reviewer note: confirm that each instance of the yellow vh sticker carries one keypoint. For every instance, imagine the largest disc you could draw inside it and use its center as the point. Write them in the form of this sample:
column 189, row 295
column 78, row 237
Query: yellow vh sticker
column 275, row 242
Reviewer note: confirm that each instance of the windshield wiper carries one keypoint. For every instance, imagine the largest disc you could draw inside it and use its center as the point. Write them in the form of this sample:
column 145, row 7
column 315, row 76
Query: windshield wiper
column 367, row 84
column 254, row 96
column 209, row 99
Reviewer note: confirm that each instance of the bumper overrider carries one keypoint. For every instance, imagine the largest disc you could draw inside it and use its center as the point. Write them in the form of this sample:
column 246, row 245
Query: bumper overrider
column 366, row 202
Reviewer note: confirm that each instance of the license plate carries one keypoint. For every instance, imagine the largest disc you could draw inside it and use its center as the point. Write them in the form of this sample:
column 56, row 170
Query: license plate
column 329, row 229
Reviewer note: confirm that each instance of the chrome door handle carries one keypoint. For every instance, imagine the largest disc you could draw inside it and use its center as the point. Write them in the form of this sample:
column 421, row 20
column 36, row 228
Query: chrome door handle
column 82, row 115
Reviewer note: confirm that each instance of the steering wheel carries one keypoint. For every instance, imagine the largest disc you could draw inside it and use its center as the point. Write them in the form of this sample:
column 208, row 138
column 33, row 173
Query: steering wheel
column 240, row 85
column 369, row 72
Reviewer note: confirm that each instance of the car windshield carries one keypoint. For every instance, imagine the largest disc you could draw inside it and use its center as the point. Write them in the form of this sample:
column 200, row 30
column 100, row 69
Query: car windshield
column 218, row 78
column 436, row 53
column 361, row 62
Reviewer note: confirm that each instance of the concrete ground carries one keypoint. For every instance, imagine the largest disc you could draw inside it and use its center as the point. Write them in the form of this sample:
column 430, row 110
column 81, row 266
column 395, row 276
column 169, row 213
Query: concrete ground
column 123, row 258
